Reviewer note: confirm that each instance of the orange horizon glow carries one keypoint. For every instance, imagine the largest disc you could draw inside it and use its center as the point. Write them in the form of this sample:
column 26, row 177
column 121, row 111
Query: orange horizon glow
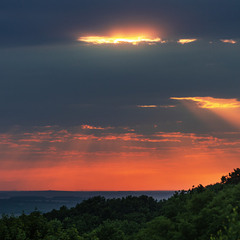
column 69, row 160
column 123, row 172
column 125, row 175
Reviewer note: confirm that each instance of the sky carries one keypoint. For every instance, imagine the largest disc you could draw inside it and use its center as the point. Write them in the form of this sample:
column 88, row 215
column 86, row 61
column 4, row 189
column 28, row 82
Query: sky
column 118, row 95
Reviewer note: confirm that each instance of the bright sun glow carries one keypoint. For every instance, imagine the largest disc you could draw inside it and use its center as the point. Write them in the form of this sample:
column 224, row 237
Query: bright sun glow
column 119, row 40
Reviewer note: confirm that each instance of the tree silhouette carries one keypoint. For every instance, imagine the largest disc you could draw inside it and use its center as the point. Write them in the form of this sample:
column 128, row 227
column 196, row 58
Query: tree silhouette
column 232, row 178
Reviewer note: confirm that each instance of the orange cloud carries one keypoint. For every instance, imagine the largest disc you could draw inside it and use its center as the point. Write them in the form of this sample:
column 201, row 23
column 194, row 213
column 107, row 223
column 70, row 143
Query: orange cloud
column 147, row 106
column 228, row 41
column 89, row 127
column 156, row 106
column 186, row 40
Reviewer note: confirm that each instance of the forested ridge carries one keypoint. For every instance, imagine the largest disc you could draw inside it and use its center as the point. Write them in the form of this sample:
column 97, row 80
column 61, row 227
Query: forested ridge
column 200, row 213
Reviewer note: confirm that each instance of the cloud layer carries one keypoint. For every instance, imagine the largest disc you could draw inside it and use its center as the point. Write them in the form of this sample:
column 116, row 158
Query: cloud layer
column 112, row 159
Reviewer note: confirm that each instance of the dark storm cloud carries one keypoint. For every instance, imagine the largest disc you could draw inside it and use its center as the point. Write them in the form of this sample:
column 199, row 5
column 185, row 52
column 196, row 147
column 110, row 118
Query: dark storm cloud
column 74, row 84
column 47, row 22
column 101, row 85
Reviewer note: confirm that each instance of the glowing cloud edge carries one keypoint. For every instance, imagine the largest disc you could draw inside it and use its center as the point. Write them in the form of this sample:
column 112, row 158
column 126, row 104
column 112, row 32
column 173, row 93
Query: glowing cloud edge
column 139, row 39
column 119, row 40
column 228, row 41
column 210, row 102
column 187, row 40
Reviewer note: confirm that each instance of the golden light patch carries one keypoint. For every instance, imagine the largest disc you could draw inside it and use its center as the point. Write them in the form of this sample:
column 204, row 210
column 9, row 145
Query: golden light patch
column 210, row 102
column 186, row 40
column 119, row 40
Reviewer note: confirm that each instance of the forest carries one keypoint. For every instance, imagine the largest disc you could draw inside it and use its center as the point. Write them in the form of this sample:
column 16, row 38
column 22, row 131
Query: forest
column 201, row 213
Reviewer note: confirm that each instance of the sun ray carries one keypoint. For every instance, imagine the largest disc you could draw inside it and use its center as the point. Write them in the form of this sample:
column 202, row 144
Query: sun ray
column 226, row 109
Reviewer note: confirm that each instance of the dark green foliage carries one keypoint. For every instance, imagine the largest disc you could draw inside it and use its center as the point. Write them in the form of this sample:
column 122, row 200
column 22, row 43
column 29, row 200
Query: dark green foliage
column 91, row 213
column 202, row 213
column 160, row 228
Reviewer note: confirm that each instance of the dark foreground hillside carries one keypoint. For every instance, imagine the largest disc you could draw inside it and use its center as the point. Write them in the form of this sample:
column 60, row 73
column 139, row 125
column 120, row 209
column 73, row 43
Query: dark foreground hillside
column 210, row 212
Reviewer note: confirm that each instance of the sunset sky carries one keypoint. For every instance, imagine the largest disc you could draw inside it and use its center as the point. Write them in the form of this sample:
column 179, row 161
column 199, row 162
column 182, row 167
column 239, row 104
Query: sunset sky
column 118, row 95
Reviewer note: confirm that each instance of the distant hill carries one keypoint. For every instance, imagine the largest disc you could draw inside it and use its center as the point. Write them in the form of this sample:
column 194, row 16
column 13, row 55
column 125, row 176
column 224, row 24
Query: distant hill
column 17, row 202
